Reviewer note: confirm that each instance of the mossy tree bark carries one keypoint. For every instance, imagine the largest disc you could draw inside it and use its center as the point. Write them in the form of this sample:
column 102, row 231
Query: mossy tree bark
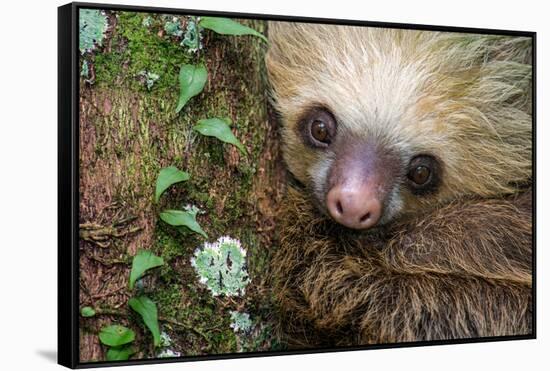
column 127, row 134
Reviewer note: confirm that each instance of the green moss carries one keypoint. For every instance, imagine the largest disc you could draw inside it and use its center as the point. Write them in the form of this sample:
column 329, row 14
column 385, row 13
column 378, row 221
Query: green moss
column 168, row 299
column 167, row 243
column 136, row 48
column 225, row 342
column 258, row 258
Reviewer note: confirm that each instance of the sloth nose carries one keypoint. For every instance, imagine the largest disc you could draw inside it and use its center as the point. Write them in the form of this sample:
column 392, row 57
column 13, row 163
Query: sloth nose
column 354, row 207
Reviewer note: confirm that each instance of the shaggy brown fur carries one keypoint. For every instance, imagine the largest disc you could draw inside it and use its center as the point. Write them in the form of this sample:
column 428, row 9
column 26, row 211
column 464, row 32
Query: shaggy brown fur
column 455, row 263
column 462, row 271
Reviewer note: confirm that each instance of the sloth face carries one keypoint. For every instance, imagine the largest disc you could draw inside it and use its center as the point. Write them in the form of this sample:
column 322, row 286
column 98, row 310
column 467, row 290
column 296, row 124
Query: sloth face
column 383, row 124
column 361, row 182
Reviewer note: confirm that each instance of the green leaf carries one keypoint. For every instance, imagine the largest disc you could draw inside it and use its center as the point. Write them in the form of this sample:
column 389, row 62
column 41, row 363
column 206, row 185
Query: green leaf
column 219, row 128
column 192, row 80
column 120, row 353
column 143, row 261
column 167, row 177
column 87, row 312
column 148, row 311
column 186, row 218
column 116, row 335
column 226, row 26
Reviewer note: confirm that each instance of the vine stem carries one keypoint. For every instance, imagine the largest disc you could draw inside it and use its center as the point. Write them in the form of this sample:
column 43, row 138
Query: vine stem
column 124, row 313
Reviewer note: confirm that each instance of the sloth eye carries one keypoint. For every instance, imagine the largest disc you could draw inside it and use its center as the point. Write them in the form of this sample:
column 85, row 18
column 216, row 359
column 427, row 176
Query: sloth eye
column 318, row 128
column 423, row 174
column 319, row 131
column 420, row 174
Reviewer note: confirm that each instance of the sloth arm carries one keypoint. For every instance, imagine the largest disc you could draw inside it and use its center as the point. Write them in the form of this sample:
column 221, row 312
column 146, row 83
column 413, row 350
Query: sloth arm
column 356, row 297
column 464, row 271
column 489, row 238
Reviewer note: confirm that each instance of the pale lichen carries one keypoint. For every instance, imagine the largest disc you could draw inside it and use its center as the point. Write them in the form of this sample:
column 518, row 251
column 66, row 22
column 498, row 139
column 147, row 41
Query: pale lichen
column 165, row 339
column 165, row 343
column 173, row 27
column 240, row 322
column 193, row 35
column 149, row 78
column 92, row 27
column 168, row 353
column 221, row 266
column 147, row 21
column 84, row 70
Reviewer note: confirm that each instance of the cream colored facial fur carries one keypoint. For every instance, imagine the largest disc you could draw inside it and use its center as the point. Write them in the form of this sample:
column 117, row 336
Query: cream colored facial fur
column 463, row 98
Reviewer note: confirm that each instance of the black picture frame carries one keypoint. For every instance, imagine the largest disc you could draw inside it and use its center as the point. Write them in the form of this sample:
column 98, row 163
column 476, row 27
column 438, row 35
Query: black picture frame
column 68, row 181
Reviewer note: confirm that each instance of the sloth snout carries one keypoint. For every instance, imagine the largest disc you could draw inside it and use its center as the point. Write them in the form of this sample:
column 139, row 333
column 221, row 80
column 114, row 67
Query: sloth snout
column 354, row 207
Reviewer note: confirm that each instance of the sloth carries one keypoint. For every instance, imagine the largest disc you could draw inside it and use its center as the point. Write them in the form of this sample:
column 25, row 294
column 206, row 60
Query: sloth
column 409, row 213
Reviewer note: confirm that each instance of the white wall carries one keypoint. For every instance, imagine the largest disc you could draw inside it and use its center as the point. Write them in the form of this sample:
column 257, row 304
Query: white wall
column 28, row 151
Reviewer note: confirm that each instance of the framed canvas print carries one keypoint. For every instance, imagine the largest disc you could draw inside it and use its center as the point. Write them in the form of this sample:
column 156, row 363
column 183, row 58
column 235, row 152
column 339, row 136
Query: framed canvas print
column 236, row 185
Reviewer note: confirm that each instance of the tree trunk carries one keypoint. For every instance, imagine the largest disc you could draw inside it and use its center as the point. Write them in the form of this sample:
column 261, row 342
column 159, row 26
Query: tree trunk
column 127, row 134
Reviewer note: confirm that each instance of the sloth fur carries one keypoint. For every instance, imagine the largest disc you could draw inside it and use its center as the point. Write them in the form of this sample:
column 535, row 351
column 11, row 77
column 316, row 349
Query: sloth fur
column 461, row 271
column 452, row 264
